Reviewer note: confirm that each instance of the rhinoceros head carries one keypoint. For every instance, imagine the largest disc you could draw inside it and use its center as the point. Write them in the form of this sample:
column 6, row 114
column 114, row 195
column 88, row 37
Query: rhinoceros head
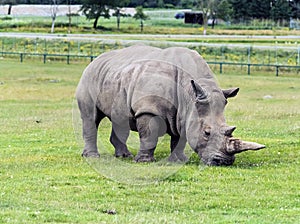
column 207, row 132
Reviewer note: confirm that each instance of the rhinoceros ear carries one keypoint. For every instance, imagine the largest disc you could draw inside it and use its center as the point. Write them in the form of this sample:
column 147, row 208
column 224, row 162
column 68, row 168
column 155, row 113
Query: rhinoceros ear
column 199, row 91
column 230, row 92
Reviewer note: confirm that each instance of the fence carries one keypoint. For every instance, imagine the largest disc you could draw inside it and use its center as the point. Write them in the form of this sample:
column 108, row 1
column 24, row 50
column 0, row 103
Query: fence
column 276, row 57
column 22, row 56
column 68, row 57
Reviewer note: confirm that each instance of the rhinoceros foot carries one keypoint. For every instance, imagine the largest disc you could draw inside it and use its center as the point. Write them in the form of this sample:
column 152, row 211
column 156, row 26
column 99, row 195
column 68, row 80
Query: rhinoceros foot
column 90, row 155
column 178, row 158
column 144, row 158
column 125, row 153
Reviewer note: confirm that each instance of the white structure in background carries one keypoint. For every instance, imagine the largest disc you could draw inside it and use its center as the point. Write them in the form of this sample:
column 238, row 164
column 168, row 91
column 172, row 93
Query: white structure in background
column 38, row 10
column 45, row 10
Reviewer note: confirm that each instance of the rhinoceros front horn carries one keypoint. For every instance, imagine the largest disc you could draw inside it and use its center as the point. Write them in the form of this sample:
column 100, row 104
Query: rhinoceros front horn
column 236, row 146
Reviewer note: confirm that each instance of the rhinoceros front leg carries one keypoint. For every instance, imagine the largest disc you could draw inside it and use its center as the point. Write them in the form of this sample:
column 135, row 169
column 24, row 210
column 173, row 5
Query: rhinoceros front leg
column 177, row 149
column 150, row 127
column 91, row 118
column 118, row 138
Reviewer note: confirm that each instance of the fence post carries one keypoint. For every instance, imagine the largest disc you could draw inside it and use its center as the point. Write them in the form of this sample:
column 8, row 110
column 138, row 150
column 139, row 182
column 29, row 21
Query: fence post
column 91, row 48
column 249, row 54
column 14, row 43
column 277, row 70
column 298, row 59
column 222, row 53
column 249, row 65
column 21, row 57
column 221, row 70
column 25, row 43
column 45, row 45
column 276, row 54
column 45, row 55
column 2, row 46
column 68, row 56
column 78, row 47
column 35, row 45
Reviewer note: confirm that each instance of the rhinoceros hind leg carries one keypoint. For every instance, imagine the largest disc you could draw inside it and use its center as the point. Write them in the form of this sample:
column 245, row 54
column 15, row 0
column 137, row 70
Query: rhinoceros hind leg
column 91, row 118
column 118, row 139
column 150, row 127
column 177, row 149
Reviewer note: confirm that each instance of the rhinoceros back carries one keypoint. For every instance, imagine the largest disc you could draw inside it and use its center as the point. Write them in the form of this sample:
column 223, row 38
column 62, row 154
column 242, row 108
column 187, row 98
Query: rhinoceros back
column 112, row 78
column 117, row 60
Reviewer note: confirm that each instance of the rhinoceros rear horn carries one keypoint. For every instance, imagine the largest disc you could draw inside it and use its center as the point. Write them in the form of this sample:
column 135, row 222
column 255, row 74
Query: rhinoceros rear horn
column 227, row 131
column 199, row 91
column 236, row 146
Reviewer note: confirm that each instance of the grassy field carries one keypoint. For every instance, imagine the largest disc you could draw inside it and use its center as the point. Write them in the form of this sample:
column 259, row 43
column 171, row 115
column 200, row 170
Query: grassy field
column 44, row 179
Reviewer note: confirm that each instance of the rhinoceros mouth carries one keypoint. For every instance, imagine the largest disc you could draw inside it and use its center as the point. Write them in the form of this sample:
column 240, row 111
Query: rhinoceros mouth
column 219, row 160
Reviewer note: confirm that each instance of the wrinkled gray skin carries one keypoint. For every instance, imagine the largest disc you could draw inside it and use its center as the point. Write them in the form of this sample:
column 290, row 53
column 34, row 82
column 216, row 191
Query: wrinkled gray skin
column 155, row 91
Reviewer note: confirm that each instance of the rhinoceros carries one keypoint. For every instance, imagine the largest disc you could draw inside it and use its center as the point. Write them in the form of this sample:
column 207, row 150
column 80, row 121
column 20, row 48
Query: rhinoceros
column 158, row 91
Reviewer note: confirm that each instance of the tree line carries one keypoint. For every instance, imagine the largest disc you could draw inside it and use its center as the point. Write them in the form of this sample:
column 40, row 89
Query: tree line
column 228, row 10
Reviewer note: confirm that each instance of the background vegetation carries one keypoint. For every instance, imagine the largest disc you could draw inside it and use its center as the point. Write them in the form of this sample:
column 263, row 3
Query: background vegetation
column 160, row 22
column 234, row 11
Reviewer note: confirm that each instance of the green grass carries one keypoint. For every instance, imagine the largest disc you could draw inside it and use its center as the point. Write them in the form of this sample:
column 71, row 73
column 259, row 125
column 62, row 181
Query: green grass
column 44, row 179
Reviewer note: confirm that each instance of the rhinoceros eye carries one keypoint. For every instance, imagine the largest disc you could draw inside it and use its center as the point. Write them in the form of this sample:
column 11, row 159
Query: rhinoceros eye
column 207, row 133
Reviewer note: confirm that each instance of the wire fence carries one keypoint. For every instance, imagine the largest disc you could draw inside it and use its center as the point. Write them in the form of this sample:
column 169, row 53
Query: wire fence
column 276, row 58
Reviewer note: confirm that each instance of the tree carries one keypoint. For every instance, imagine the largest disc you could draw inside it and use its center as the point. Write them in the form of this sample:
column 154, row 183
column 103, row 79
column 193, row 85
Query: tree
column 214, row 9
column 171, row 2
column 188, row 3
column 53, row 11
column 150, row 3
column 10, row 4
column 241, row 11
column 135, row 3
column 118, row 11
column 205, row 7
column 295, row 8
column 280, row 10
column 94, row 9
column 69, row 15
column 160, row 4
column 259, row 9
column 224, row 10
column 140, row 15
